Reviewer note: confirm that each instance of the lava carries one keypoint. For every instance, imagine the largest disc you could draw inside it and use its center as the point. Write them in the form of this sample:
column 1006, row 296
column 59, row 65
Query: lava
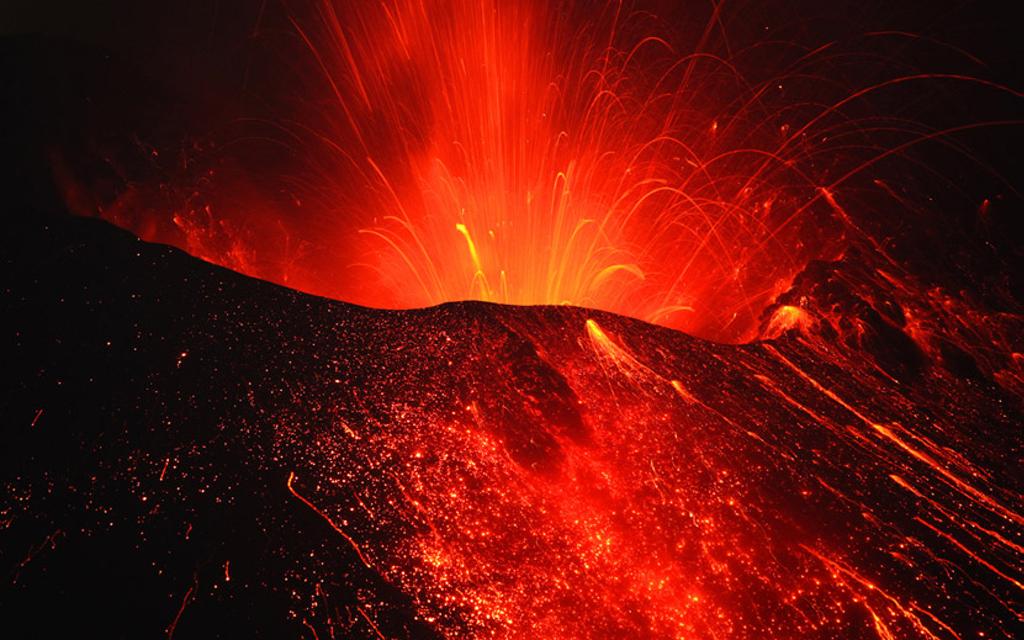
column 480, row 470
column 486, row 423
column 561, row 153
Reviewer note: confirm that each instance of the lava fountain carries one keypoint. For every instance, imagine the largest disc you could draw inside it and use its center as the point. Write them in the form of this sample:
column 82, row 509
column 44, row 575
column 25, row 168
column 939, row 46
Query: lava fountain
column 555, row 153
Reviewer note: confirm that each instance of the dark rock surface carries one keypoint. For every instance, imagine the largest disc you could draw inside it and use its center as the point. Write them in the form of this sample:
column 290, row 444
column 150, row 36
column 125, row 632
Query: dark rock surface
column 193, row 453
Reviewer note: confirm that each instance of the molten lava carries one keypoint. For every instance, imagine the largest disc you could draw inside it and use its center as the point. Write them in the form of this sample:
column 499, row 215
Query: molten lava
column 557, row 153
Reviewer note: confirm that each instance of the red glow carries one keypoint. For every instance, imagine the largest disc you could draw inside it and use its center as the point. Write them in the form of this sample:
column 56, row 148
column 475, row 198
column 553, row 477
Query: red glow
column 588, row 477
column 656, row 486
column 549, row 153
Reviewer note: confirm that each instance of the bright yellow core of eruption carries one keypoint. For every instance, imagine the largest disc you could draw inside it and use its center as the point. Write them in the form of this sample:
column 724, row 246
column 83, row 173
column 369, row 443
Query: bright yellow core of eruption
column 519, row 153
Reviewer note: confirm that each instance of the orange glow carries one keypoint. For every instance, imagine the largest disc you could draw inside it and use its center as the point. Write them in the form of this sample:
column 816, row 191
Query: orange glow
column 548, row 153
column 504, row 153
column 786, row 318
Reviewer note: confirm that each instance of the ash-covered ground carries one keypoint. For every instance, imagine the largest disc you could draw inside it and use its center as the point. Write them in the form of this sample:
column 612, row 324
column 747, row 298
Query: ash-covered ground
column 191, row 453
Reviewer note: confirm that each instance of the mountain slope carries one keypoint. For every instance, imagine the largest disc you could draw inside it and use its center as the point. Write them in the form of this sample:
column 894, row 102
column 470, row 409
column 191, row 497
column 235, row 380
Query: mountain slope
column 194, row 453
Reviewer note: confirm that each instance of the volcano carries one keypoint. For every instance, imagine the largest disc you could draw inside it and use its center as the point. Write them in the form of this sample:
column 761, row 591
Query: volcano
column 637, row 319
column 193, row 453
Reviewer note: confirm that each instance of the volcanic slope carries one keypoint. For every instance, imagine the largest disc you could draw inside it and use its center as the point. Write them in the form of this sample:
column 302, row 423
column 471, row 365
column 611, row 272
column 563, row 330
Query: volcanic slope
column 193, row 453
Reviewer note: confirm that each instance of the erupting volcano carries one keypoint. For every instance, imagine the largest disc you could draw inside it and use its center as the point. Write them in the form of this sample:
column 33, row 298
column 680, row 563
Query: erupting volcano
column 613, row 320
column 676, row 169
